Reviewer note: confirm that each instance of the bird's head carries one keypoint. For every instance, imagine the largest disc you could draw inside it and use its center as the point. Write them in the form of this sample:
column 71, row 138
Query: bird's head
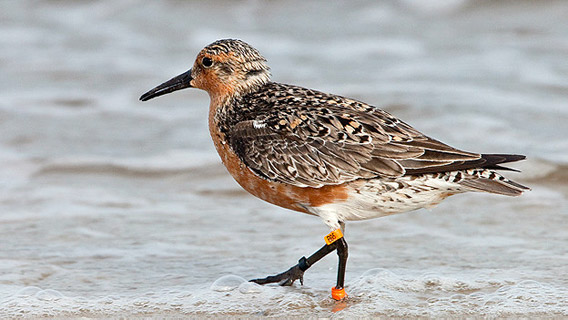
column 224, row 68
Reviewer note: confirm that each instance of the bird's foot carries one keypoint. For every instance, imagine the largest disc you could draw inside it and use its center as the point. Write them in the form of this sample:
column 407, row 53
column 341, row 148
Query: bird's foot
column 285, row 278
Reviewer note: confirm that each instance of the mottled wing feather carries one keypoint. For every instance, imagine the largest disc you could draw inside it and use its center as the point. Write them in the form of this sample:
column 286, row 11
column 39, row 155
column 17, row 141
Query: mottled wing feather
column 331, row 140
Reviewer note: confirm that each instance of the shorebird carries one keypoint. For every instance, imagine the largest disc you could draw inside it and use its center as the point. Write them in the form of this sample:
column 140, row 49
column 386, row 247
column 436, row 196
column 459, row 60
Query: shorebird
column 324, row 154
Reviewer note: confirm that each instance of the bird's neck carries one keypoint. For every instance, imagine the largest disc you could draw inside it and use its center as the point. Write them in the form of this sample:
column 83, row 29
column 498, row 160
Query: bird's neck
column 220, row 109
column 227, row 110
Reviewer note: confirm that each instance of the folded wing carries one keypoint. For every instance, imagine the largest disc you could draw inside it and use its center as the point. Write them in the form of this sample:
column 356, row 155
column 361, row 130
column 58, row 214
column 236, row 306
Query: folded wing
column 329, row 143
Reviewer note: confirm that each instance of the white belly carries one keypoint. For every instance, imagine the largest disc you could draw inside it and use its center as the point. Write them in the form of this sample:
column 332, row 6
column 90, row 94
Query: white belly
column 377, row 198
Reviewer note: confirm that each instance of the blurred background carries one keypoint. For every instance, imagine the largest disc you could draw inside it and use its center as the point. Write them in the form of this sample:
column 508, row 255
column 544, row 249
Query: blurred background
column 110, row 206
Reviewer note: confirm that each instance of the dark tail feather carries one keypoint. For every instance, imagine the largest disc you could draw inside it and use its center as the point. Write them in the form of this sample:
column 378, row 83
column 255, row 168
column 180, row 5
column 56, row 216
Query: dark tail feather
column 492, row 161
column 487, row 161
column 496, row 183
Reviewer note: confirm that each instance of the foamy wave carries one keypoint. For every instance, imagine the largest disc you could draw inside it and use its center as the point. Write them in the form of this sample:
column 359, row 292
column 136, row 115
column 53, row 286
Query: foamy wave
column 378, row 292
column 384, row 292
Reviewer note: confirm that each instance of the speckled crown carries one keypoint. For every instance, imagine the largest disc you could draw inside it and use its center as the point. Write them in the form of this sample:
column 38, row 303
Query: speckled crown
column 238, row 48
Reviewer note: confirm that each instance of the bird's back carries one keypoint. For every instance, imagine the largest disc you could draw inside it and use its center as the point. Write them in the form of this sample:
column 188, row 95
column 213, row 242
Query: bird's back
column 303, row 137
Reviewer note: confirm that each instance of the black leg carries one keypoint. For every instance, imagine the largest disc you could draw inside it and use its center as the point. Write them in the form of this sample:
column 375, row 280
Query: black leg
column 342, row 254
column 288, row 277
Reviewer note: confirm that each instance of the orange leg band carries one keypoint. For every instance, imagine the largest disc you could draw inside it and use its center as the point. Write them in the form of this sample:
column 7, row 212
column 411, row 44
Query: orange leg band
column 338, row 294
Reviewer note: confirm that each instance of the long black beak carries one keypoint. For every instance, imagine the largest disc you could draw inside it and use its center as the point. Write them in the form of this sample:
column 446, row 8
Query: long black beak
column 176, row 83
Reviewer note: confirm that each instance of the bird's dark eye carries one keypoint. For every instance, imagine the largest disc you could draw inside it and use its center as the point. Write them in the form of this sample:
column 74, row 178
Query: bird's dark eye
column 207, row 62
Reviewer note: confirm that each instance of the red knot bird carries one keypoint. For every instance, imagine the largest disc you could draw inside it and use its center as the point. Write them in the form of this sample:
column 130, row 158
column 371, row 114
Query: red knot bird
column 323, row 154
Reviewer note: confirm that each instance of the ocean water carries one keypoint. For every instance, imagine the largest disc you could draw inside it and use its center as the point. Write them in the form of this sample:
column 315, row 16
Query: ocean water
column 110, row 207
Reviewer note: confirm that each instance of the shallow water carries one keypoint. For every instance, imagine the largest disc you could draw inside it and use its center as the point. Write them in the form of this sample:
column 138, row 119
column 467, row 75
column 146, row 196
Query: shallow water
column 113, row 207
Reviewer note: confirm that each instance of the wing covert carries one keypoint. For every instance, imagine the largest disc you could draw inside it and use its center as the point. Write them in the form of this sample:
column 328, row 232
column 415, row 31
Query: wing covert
column 332, row 140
